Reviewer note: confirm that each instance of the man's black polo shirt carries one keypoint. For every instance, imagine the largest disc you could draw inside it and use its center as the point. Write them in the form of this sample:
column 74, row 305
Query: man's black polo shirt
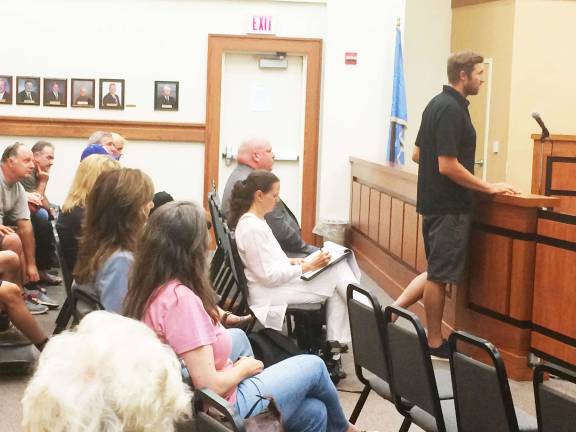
column 446, row 130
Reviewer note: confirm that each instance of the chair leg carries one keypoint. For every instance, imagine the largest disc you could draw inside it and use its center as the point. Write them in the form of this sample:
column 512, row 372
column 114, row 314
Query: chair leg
column 405, row 425
column 360, row 404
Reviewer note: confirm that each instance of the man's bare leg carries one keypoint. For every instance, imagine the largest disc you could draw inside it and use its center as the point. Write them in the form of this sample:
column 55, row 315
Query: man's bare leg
column 12, row 302
column 413, row 292
column 434, row 297
column 11, row 242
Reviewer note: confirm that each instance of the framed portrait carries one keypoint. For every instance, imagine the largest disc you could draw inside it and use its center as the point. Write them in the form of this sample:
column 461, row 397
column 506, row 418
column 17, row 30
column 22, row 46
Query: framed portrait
column 82, row 92
column 55, row 92
column 27, row 90
column 166, row 95
column 112, row 94
column 5, row 90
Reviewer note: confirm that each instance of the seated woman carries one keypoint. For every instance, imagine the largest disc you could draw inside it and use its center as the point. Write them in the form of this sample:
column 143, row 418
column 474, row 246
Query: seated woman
column 170, row 287
column 110, row 374
column 72, row 215
column 273, row 278
column 116, row 211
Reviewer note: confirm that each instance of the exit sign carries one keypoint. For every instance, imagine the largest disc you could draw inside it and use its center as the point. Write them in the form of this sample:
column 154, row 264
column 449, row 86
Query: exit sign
column 262, row 24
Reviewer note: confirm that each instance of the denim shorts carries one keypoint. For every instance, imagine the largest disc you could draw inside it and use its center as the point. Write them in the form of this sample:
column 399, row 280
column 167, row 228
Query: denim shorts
column 446, row 245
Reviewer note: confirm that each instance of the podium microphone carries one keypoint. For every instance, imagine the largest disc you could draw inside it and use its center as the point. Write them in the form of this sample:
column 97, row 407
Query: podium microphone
column 545, row 133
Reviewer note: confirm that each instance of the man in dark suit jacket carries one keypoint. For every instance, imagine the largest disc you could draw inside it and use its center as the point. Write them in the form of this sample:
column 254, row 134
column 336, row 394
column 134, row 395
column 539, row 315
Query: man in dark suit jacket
column 83, row 98
column 5, row 95
column 27, row 95
column 111, row 99
column 165, row 100
column 54, row 96
column 257, row 154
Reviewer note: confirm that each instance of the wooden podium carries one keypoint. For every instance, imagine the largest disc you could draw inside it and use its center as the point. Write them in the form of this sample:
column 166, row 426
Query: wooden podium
column 495, row 299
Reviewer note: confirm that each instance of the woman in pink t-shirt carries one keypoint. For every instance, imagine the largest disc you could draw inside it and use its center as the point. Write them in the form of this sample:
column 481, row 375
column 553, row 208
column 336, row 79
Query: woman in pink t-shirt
column 171, row 293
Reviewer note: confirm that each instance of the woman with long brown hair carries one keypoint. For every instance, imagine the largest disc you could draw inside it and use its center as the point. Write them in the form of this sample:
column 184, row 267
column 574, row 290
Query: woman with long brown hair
column 116, row 210
column 274, row 280
column 171, row 293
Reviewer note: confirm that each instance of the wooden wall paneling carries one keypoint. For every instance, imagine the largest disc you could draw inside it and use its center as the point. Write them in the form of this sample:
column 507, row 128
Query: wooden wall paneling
column 522, row 279
column 410, row 235
column 421, row 262
column 364, row 208
column 385, row 215
column 396, row 227
column 489, row 278
column 75, row 128
column 374, row 217
column 554, row 302
column 355, row 205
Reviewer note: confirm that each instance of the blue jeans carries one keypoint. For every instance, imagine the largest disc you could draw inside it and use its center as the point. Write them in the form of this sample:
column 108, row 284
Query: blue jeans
column 240, row 344
column 303, row 391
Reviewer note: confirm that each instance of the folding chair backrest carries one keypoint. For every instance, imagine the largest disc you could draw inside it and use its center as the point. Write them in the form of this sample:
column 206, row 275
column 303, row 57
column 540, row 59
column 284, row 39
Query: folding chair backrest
column 554, row 408
column 237, row 297
column 83, row 303
column 367, row 327
column 216, row 216
column 206, row 401
column 481, row 391
column 410, row 367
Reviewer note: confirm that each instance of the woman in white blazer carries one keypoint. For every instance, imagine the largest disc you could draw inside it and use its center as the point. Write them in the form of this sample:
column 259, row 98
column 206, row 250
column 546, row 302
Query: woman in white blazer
column 274, row 279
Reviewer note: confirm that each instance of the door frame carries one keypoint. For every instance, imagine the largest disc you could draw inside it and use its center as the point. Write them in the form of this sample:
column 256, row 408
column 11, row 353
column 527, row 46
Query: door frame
column 311, row 49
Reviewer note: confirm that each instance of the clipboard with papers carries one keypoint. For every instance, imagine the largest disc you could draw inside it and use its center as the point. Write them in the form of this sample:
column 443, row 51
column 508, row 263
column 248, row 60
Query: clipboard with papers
column 337, row 254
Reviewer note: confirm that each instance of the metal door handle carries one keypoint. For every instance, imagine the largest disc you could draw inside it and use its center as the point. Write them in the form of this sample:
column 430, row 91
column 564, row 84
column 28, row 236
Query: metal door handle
column 480, row 162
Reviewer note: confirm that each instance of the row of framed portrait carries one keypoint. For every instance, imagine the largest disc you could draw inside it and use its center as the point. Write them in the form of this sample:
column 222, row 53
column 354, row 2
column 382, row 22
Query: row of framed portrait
column 82, row 93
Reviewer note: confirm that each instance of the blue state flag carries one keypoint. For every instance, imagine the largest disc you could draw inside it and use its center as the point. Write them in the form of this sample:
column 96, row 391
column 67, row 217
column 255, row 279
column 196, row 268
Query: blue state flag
column 399, row 115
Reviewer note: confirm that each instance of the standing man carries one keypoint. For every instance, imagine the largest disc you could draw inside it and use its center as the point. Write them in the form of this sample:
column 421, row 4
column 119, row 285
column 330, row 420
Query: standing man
column 254, row 154
column 445, row 149
column 40, row 211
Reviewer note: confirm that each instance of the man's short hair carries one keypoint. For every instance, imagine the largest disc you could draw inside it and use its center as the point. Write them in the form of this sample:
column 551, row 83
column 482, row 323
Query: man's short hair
column 97, row 136
column 40, row 145
column 11, row 151
column 112, row 373
column 462, row 61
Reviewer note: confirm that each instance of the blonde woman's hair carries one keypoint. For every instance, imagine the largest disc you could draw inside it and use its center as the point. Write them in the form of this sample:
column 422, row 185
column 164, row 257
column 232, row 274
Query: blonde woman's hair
column 86, row 175
column 111, row 374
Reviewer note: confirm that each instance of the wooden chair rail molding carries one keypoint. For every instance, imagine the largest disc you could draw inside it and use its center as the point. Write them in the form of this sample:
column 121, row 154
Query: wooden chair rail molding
column 78, row 128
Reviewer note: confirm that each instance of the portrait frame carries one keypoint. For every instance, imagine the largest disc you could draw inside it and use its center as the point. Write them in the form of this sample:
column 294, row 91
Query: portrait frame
column 20, row 90
column 107, row 99
column 49, row 98
column 87, row 101
column 9, row 80
column 174, row 93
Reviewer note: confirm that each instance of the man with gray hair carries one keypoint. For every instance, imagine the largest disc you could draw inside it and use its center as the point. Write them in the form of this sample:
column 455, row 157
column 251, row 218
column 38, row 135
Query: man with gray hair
column 40, row 211
column 256, row 153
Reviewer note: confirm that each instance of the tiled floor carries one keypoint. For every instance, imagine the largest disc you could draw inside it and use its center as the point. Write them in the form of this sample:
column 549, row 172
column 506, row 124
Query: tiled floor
column 376, row 415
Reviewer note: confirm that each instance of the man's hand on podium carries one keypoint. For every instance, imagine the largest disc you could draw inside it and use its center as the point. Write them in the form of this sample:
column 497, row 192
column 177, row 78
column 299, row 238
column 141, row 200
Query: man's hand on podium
column 502, row 189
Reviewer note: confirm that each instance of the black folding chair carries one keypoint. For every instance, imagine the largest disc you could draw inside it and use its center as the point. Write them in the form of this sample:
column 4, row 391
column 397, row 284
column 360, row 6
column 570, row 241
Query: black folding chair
column 554, row 408
column 412, row 379
column 493, row 409
column 207, row 406
column 370, row 363
column 78, row 304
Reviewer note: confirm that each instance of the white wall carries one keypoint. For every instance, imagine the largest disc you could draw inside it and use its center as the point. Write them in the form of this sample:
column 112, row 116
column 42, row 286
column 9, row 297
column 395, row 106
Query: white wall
column 140, row 41
column 356, row 99
column 426, row 49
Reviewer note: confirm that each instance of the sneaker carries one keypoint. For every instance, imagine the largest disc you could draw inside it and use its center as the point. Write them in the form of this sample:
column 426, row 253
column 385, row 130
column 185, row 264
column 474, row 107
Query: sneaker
column 442, row 352
column 33, row 307
column 39, row 294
